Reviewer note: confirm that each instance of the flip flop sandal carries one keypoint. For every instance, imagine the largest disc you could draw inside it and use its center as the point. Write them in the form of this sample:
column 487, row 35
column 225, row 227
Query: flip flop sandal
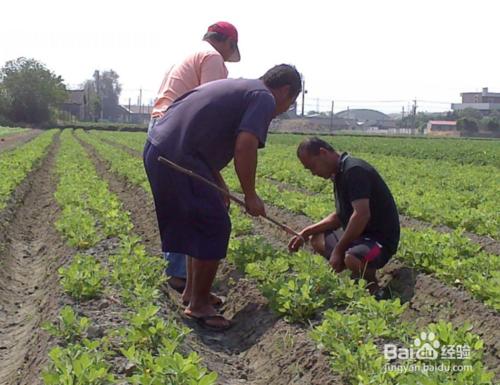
column 384, row 293
column 203, row 321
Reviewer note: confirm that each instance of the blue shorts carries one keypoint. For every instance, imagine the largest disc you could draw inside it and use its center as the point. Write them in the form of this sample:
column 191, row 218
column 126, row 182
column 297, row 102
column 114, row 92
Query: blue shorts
column 176, row 264
column 366, row 249
column 191, row 215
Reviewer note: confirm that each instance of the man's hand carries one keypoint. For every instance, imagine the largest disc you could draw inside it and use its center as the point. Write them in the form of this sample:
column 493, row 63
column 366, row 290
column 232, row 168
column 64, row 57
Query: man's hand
column 255, row 206
column 296, row 242
column 337, row 260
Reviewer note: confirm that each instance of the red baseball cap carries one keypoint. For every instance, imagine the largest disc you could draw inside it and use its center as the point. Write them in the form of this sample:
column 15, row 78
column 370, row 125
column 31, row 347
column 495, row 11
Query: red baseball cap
column 229, row 30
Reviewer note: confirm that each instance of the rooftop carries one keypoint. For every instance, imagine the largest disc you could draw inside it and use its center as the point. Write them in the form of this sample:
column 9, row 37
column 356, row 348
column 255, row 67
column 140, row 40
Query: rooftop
column 362, row 114
column 443, row 122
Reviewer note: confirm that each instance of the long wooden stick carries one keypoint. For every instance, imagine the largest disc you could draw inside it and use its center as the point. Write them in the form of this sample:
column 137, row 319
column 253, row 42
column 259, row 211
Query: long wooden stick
column 192, row 174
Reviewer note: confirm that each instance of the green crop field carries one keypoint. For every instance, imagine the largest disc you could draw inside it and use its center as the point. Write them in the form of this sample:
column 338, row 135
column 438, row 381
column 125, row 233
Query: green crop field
column 79, row 245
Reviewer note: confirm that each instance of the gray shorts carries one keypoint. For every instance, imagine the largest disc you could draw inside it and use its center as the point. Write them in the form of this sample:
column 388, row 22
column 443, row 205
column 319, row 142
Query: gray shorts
column 366, row 249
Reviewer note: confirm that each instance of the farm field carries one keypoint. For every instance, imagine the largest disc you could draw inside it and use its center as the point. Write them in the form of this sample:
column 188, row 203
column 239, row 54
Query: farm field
column 83, row 298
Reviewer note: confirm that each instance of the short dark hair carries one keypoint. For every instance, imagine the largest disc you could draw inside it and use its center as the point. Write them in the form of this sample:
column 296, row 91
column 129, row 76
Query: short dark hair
column 312, row 146
column 283, row 75
column 215, row 36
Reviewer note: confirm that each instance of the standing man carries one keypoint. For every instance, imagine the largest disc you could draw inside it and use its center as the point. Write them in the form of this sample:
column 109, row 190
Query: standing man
column 219, row 45
column 365, row 209
column 203, row 131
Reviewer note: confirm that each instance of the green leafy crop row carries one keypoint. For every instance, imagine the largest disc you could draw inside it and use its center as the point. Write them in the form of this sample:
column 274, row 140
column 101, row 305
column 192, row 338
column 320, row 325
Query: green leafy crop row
column 441, row 192
column 17, row 163
column 149, row 343
column 89, row 211
column 132, row 140
column 459, row 151
column 120, row 161
column 354, row 325
column 301, row 288
column 452, row 258
column 459, row 196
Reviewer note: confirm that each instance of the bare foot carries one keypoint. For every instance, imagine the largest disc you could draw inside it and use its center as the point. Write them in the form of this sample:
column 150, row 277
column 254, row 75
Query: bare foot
column 214, row 300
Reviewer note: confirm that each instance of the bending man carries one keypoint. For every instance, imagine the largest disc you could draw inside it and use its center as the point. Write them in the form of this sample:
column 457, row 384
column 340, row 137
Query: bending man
column 202, row 131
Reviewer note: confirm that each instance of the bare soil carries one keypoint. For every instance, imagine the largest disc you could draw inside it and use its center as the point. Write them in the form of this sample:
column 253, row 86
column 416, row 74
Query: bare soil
column 31, row 252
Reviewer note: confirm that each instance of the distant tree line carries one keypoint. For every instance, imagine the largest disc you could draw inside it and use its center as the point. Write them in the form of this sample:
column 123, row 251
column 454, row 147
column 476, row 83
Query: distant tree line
column 472, row 120
column 29, row 92
column 469, row 120
column 32, row 94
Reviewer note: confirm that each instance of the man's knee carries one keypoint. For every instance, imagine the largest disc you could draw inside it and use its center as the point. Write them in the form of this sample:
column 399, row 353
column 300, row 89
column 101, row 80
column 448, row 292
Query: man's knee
column 353, row 263
column 318, row 243
column 359, row 267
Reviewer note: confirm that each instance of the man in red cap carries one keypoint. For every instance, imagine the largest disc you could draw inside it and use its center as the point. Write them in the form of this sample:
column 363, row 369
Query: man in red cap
column 220, row 44
column 206, row 64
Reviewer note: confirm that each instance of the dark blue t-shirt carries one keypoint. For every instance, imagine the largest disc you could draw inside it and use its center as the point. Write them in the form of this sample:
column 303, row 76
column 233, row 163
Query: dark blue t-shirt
column 203, row 124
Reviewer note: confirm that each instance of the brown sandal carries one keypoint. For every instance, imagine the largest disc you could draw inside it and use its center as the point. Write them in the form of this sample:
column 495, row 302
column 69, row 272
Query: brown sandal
column 218, row 302
column 203, row 321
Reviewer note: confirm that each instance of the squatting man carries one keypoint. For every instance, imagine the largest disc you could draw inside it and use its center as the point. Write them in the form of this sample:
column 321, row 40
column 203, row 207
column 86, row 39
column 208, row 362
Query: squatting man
column 364, row 209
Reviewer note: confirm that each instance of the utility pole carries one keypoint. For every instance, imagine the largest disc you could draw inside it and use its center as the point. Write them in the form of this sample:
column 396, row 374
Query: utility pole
column 403, row 117
column 304, row 92
column 414, row 115
column 331, row 116
column 97, row 76
column 86, row 103
column 129, row 116
column 140, row 101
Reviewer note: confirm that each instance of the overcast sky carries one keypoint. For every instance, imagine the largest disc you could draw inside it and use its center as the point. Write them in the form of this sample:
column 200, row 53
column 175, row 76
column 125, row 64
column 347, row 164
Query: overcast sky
column 360, row 53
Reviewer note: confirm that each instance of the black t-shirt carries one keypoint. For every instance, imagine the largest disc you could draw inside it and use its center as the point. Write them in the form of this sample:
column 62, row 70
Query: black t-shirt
column 356, row 179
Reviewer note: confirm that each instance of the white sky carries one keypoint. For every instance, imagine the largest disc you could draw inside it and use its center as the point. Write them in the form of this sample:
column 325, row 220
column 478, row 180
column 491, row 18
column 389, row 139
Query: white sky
column 357, row 52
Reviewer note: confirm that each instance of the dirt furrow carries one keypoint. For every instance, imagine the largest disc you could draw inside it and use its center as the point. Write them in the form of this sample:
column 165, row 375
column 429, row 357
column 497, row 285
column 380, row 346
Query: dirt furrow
column 260, row 349
column 29, row 288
